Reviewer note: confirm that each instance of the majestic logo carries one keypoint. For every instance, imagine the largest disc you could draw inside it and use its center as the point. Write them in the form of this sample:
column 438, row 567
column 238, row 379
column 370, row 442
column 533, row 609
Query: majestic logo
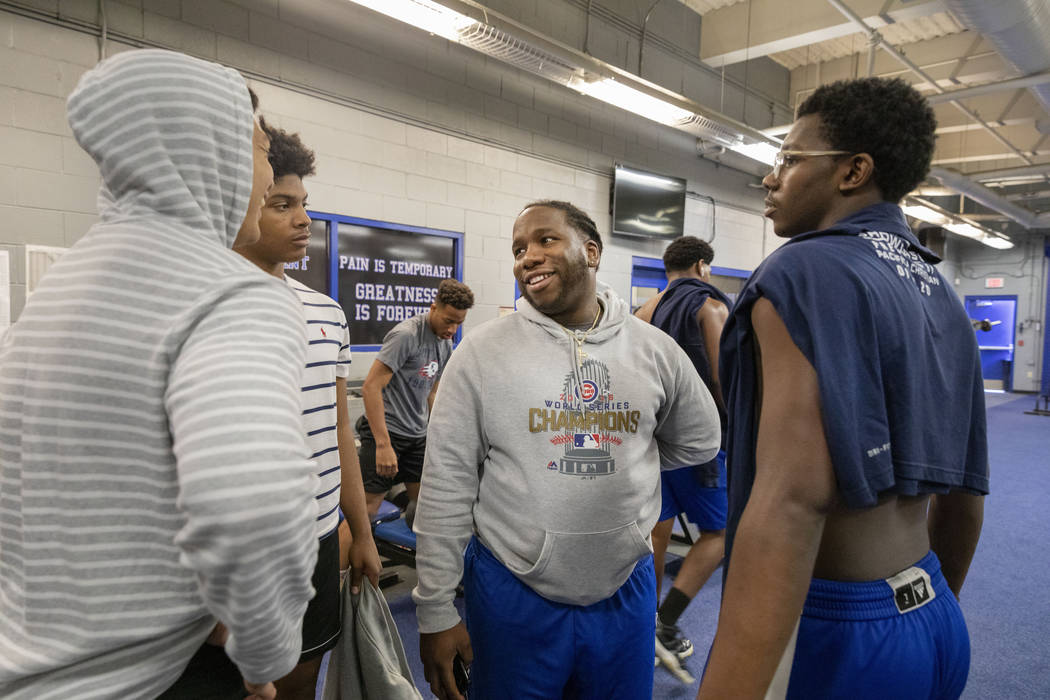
column 323, row 333
column 429, row 370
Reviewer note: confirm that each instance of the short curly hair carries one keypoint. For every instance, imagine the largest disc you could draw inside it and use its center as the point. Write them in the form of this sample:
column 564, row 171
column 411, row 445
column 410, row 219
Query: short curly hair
column 887, row 119
column 288, row 154
column 454, row 293
column 576, row 217
column 684, row 252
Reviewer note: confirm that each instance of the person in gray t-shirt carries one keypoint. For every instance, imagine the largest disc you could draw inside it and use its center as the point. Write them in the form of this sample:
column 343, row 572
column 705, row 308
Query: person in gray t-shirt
column 399, row 391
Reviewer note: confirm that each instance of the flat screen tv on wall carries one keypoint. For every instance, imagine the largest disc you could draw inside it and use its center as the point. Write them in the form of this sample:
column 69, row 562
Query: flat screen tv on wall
column 646, row 204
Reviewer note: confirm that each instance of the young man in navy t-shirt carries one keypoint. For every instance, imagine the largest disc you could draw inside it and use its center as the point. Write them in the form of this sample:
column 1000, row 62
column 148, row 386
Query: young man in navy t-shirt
column 692, row 311
column 857, row 450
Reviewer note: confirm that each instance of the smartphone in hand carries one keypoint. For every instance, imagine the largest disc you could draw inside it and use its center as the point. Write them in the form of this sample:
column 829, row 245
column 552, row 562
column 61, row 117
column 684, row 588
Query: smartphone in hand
column 461, row 673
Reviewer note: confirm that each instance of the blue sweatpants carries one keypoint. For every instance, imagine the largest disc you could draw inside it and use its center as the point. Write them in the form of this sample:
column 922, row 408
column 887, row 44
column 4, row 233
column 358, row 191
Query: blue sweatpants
column 527, row 647
column 876, row 640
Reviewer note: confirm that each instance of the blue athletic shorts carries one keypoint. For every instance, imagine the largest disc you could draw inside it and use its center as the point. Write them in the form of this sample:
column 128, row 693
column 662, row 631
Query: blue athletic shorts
column 683, row 492
column 882, row 639
column 527, row 647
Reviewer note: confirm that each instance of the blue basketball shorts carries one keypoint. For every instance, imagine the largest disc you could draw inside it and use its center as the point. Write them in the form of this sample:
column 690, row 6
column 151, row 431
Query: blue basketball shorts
column 682, row 492
column 527, row 647
column 902, row 637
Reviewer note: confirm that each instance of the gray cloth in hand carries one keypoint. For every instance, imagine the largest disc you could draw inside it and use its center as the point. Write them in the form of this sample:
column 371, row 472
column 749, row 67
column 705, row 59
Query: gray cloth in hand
column 369, row 663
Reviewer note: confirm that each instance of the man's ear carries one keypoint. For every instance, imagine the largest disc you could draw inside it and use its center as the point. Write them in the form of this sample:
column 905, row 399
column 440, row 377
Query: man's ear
column 861, row 173
column 594, row 255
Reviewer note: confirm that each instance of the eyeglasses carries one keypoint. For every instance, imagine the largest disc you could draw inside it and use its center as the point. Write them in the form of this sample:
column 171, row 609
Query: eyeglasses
column 790, row 158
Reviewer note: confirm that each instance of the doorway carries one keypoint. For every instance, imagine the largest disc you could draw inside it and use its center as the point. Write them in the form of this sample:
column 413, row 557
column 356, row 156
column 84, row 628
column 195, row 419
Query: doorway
column 994, row 320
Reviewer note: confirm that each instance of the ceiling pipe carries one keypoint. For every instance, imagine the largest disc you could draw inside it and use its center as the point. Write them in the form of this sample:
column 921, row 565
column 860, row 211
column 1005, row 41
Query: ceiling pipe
column 988, row 88
column 901, row 58
column 1019, row 30
column 986, row 197
column 1011, row 173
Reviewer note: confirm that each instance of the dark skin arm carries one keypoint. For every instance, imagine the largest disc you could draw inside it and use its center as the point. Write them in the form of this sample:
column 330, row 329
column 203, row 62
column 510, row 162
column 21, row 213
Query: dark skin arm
column 432, row 395
column 954, row 522
column 379, row 375
column 711, row 318
column 438, row 650
column 364, row 558
column 645, row 311
column 780, row 531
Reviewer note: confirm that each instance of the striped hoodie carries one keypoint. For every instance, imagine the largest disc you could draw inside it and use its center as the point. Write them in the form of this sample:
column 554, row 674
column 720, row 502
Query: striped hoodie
column 153, row 475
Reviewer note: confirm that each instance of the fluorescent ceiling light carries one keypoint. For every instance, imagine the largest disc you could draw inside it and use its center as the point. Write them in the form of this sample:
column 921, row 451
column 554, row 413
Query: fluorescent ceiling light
column 428, row 16
column 626, row 97
column 518, row 46
column 924, row 213
column 762, row 152
column 1000, row 243
column 981, row 235
column 967, row 230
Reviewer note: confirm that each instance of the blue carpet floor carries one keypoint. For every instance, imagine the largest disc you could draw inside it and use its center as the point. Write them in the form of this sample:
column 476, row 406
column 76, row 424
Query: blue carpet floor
column 1005, row 598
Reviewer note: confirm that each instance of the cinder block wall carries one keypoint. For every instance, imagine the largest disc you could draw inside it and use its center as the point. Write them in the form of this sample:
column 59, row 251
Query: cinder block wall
column 407, row 127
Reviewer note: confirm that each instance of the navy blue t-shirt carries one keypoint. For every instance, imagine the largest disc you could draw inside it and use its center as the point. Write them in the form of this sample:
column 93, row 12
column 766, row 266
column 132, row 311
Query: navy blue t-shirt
column 897, row 364
column 675, row 315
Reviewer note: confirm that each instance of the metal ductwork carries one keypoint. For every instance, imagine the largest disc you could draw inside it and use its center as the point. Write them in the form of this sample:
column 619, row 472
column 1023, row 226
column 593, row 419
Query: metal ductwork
column 986, row 197
column 1019, row 30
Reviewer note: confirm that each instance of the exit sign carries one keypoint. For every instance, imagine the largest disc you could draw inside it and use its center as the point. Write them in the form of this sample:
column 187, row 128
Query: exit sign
column 994, row 282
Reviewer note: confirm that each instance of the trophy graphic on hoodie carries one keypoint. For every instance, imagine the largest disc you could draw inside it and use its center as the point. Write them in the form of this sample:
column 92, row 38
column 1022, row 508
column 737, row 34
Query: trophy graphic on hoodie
column 588, row 453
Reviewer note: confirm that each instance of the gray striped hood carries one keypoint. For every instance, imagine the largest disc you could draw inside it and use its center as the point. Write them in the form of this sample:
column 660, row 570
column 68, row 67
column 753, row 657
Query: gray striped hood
column 153, row 473
column 172, row 138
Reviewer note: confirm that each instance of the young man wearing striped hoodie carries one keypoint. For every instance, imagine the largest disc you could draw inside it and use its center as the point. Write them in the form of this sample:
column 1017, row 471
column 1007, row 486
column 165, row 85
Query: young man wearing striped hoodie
column 154, row 474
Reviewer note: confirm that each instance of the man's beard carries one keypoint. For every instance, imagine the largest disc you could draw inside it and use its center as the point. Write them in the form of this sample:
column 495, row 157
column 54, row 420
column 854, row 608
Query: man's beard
column 571, row 275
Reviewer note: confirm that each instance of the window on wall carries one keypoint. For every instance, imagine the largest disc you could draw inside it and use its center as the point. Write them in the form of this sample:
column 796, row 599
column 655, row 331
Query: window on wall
column 648, row 279
column 380, row 273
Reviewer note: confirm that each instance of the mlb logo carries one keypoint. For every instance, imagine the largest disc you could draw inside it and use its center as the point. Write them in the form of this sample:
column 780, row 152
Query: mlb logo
column 587, row 441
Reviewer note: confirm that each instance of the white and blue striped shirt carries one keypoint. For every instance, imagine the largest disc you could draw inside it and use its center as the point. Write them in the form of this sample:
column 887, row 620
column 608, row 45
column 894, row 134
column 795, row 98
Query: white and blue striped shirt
column 327, row 357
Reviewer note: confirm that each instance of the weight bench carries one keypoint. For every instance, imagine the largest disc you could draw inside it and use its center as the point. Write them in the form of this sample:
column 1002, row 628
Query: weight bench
column 394, row 540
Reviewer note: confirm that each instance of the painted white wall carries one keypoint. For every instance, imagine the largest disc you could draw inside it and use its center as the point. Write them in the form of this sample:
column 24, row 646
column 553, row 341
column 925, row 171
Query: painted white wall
column 407, row 128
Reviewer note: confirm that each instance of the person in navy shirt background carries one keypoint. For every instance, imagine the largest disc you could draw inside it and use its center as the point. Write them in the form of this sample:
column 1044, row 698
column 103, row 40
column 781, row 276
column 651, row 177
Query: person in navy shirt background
column 857, row 449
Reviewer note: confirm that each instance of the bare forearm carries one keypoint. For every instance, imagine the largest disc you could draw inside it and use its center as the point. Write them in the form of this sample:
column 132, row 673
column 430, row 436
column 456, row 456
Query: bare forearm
column 375, row 412
column 351, row 485
column 351, row 488
column 431, row 396
column 769, row 575
column 716, row 393
column 955, row 522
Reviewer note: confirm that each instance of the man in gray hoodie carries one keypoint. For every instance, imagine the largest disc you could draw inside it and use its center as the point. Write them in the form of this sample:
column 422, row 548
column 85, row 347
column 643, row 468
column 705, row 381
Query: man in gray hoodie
column 547, row 440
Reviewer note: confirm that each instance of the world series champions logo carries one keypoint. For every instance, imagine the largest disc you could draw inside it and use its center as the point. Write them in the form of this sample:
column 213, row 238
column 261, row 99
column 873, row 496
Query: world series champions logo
column 588, row 453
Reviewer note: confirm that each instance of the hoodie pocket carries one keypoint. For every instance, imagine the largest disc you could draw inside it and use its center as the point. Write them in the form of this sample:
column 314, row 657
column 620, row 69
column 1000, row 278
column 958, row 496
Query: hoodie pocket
column 581, row 568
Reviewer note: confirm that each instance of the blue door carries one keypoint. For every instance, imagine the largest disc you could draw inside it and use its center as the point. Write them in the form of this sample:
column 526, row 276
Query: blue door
column 994, row 323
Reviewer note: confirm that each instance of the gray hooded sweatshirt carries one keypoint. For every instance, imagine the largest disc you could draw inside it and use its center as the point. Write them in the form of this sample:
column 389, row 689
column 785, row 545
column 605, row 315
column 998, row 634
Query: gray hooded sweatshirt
column 551, row 450
column 153, row 474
